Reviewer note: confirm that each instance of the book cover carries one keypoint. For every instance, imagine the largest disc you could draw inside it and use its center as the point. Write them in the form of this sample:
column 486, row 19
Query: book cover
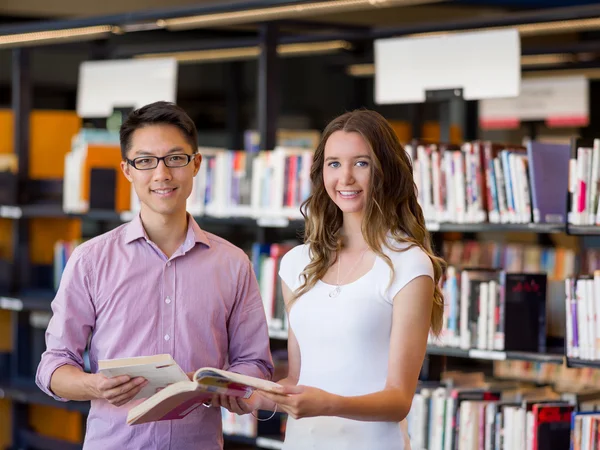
column 548, row 172
column 179, row 399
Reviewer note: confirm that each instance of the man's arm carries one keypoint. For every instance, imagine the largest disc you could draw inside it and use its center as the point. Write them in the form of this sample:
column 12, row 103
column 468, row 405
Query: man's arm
column 60, row 372
column 73, row 383
column 249, row 346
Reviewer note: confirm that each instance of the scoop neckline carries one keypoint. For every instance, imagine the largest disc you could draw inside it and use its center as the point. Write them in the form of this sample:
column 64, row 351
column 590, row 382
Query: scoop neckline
column 329, row 285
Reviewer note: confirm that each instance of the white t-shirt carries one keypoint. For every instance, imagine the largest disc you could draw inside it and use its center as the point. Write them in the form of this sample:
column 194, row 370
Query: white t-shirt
column 344, row 344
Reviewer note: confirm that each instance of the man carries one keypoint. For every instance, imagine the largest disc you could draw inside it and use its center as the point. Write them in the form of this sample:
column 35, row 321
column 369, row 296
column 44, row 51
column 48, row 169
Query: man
column 158, row 284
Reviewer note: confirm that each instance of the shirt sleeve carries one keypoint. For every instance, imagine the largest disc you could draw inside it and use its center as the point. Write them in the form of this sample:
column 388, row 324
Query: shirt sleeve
column 288, row 267
column 408, row 265
column 73, row 318
column 249, row 345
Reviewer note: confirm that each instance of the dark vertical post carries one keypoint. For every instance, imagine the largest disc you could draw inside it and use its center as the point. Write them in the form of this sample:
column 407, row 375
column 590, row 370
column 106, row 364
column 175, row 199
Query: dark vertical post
column 417, row 120
column 233, row 94
column 21, row 106
column 268, row 86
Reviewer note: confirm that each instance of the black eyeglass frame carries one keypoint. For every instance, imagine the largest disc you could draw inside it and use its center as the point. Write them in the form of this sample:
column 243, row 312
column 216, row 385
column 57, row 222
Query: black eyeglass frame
column 132, row 162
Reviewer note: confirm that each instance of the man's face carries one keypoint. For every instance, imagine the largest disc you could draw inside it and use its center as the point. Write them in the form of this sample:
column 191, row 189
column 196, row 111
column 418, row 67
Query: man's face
column 163, row 190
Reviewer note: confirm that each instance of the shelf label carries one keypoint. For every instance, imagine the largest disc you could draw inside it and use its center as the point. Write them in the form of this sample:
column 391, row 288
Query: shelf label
column 278, row 334
column 269, row 443
column 433, row 226
column 273, row 222
column 39, row 319
column 487, row 354
column 11, row 212
column 13, row 304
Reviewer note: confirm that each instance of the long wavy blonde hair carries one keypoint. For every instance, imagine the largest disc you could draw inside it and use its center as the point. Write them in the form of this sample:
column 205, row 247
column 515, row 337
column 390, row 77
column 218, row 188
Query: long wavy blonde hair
column 391, row 208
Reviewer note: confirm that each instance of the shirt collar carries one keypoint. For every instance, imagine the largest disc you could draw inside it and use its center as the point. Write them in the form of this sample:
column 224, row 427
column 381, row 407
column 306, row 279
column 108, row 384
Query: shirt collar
column 135, row 230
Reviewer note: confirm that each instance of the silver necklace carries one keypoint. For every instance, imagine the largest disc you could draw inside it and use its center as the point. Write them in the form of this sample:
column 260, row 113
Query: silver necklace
column 336, row 291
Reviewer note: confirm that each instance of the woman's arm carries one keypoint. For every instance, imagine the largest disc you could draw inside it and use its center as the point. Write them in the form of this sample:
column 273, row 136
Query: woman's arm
column 293, row 358
column 257, row 400
column 408, row 343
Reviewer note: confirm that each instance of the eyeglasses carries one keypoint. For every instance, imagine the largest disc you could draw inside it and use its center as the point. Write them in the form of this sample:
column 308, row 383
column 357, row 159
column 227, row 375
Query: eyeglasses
column 151, row 162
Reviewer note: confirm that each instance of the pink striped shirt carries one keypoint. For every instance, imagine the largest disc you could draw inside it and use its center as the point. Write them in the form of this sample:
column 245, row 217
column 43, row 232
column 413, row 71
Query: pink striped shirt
column 202, row 305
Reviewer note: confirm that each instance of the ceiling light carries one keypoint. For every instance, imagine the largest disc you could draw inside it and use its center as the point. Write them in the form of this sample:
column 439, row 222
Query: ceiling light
column 549, row 59
column 361, row 70
column 590, row 74
column 241, row 53
column 18, row 40
column 283, row 12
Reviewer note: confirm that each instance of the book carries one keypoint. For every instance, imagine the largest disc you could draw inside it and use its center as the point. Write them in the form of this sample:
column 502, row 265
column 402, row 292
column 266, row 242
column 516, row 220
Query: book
column 179, row 399
column 159, row 370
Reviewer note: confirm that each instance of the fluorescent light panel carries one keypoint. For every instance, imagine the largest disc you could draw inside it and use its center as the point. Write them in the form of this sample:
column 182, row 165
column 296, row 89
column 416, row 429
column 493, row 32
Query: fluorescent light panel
column 283, row 12
column 15, row 40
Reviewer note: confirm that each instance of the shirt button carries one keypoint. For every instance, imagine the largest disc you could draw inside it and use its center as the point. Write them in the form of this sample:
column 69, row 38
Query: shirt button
column 168, row 263
column 167, row 337
column 167, row 300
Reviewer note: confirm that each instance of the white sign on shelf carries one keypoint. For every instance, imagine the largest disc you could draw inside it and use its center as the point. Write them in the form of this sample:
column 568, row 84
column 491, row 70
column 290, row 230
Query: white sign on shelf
column 487, row 354
column 39, row 319
column 263, row 442
column 11, row 212
column 273, row 222
column 105, row 85
column 560, row 101
column 13, row 304
column 485, row 64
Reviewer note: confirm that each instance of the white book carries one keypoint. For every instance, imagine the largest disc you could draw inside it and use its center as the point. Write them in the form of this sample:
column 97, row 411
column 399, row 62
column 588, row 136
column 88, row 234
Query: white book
column 591, row 317
column 159, row 370
column 580, row 292
column 500, row 190
column 459, row 186
column 569, row 318
column 594, row 182
column 482, row 320
column 438, row 214
column 491, row 319
column 573, row 216
column 597, row 311
column 450, row 203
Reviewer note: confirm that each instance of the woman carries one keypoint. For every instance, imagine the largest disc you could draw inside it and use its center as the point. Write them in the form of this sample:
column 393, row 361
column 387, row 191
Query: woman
column 362, row 294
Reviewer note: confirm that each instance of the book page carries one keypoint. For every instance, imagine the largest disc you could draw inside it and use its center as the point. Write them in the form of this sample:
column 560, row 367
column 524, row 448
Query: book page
column 230, row 383
column 158, row 375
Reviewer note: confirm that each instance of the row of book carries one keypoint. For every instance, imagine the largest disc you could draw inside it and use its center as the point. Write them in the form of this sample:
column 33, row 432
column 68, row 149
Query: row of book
column 276, row 186
column 558, row 262
column 584, row 181
column 266, row 259
column 491, row 309
column 494, row 417
column 230, row 183
column 583, row 316
column 575, row 379
column 479, row 182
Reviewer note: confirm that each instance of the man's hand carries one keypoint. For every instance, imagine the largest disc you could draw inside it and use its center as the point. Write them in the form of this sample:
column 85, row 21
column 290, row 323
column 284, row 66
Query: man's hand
column 237, row 405
column 116, row 390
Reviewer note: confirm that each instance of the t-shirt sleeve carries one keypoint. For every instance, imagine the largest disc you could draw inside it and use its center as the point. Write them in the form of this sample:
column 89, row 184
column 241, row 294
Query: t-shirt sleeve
column 291, row 266
column 408, row 265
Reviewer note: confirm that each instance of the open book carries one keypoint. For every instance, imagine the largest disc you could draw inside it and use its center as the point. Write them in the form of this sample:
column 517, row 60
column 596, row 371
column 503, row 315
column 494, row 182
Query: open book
column 159, row 370
column 179, row 399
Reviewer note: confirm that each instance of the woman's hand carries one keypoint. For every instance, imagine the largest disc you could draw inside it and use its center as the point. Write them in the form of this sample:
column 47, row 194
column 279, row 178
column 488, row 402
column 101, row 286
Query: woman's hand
column 302, row 401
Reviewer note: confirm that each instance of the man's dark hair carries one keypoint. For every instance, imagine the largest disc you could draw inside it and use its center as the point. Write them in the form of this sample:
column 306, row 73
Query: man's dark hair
column 158, row 113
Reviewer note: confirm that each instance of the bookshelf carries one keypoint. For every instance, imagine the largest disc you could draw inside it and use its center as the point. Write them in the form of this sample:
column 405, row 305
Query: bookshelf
column 21, row 306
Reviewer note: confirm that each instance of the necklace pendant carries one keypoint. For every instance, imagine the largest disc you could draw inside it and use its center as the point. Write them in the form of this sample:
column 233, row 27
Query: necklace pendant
column 335, row 292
